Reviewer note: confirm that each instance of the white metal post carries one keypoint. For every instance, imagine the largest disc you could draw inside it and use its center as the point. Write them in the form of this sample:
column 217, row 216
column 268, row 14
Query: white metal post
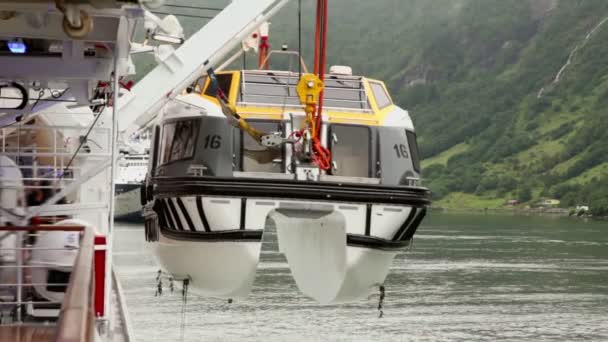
column 19, row 257
column 110, row 232
column 55, row 152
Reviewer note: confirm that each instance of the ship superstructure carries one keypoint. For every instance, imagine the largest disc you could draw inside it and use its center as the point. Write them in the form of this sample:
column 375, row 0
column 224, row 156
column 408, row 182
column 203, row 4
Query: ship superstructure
column 64, row 104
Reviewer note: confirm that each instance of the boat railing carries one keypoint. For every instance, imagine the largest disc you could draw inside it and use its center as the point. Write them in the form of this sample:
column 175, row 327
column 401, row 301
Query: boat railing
column 259, row 89
column 299, row 107
column 22, row 307
column 53, row 161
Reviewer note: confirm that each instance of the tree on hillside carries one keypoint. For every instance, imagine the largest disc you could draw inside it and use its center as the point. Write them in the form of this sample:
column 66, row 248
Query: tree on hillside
column 524, row 194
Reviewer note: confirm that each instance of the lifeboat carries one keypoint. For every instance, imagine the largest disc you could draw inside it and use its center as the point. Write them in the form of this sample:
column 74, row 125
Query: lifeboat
column 213, row 187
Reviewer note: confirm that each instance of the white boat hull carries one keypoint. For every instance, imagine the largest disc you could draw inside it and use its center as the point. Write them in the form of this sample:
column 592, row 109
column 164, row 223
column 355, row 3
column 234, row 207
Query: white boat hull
column 324, row 267
column 216, row 269
column 337, row 252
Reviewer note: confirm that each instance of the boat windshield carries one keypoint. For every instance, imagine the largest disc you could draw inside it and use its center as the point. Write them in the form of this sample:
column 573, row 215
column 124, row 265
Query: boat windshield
column 179, row 139
column 413, row 144
column 383, row 100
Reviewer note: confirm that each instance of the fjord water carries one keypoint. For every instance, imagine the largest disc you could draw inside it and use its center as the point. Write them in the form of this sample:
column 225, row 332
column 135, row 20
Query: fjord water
column 468, row 277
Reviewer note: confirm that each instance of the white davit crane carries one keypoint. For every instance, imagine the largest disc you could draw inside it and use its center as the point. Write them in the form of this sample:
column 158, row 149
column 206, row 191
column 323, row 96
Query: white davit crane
column 191, row 60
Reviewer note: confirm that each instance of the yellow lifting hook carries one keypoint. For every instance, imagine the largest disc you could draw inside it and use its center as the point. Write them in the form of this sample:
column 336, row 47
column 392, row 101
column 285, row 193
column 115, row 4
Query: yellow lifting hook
column 309, row 89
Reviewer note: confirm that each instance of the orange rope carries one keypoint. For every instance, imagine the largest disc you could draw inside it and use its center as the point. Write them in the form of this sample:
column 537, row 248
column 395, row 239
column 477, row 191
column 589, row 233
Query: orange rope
column 317, row 37
column 321, row 155
column 263, row 56
column 323, row 59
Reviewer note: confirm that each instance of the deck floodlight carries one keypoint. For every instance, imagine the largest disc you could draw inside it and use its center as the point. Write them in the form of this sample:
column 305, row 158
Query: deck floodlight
column 166, row 30
column 167, row 39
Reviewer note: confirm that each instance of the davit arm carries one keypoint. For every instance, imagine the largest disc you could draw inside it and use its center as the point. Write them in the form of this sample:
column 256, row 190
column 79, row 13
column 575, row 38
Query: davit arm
column 183, row 66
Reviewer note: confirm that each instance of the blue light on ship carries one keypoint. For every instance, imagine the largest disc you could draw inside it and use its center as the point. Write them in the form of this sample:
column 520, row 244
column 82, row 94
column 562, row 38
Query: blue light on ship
column 17, row 46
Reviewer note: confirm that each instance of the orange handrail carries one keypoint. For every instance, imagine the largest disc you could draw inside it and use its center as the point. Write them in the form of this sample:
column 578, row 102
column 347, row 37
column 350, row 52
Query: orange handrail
column 76, row 319
column 42, row 228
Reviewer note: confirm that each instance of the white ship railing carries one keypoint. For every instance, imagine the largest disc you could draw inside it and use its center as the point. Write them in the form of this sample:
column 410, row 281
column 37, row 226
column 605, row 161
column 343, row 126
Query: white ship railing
column 18, row 295
column 56, row 170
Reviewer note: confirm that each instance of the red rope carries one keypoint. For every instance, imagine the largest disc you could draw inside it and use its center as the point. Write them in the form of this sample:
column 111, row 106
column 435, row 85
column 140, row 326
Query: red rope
column 321, row 155
column 264, row 47
column 317, row 37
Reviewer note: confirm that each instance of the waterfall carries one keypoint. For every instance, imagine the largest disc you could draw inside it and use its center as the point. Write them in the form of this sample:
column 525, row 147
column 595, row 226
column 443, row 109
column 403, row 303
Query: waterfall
column 558, row 76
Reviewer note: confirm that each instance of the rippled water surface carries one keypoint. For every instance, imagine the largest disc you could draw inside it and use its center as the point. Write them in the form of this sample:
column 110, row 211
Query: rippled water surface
column 467, row 277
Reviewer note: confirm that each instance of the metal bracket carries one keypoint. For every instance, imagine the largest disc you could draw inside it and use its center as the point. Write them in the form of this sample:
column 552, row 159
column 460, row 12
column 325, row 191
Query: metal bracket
column 308, row 173
column 273, row 140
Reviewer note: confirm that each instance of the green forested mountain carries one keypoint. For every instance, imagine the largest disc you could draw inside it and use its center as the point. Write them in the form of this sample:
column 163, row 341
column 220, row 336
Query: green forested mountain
column 508, row 96
column 471, row 72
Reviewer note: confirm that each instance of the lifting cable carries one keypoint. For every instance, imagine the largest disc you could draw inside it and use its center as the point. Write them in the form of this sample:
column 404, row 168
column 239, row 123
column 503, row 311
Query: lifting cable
column 186, row 284
column 320, row 154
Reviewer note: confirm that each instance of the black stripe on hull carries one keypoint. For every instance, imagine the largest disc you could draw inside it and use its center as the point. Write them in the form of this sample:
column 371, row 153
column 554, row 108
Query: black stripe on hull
column 288, row 189
column 181, row 206
column 176, row 218
column 352, row 240
column 237, row 235
column 368, row 219
column 167, row 213
column 243, row 212
column 406, row 223
column 201, row 213
column 412, row 230
column 371, row 242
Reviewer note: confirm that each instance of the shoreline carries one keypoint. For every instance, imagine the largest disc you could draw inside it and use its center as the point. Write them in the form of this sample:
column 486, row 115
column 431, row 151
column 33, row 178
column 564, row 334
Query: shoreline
column 541, row 212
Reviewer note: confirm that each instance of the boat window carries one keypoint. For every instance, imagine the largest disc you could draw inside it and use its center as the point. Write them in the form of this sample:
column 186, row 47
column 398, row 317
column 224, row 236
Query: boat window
column 413, row 144
column 179, row 139
column 257, row 158
column 382, row 98
column 350, row 150
column 224, row 81
column 168, row 133
column 280, row 89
